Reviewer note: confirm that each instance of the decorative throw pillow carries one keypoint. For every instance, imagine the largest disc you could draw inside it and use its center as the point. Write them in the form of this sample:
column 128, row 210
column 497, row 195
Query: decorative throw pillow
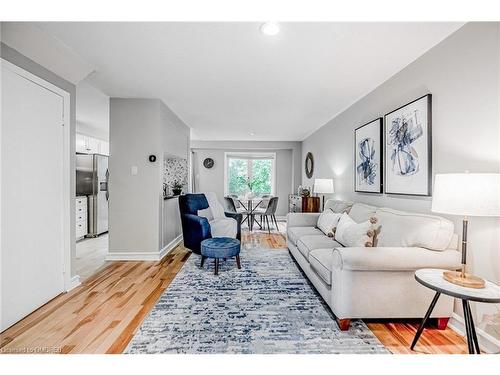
column 327, row 222
column 351, row 234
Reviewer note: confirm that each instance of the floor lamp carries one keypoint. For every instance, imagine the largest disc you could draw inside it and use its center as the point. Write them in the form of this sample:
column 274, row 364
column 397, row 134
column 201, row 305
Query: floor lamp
column 323, row 186
column 466, row 194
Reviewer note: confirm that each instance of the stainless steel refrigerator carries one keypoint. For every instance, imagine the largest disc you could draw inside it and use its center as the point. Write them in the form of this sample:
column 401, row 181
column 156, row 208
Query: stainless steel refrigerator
column 92, row 180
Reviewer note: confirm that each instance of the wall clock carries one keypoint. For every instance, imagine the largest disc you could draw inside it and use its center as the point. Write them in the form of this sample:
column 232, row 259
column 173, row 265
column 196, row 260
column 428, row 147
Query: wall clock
column 208, row 163
column 309, row 165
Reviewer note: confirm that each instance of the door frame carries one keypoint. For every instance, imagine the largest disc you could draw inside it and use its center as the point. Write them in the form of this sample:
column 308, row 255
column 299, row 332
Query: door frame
column 68, row 205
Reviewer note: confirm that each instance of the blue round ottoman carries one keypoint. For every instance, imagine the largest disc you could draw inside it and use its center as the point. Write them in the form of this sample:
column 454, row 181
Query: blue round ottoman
column 220, row 248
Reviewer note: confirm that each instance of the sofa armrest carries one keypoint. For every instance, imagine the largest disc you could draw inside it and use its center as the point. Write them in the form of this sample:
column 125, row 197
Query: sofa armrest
column 299, row 219
column 393, row 258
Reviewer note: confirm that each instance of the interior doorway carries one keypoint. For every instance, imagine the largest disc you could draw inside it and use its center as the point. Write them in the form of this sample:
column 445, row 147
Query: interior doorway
column 92, row 174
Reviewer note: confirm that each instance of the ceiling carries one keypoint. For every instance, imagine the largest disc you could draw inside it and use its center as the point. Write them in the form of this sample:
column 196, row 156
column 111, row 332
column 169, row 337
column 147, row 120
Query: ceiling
column 227, row 80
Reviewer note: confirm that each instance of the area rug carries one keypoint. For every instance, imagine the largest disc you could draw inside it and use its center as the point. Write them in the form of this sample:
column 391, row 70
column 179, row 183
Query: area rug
column 268, row 306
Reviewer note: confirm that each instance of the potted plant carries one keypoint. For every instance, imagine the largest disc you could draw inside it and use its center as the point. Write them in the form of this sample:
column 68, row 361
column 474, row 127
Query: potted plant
column 177, row 188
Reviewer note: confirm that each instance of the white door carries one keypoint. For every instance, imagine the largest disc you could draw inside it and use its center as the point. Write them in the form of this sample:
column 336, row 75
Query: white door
column 31, row 196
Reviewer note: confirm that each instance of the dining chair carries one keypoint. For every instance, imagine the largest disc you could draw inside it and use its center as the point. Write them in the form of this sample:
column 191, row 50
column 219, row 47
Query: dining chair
column 270, row 211
column 233, row 205
column 261, row 208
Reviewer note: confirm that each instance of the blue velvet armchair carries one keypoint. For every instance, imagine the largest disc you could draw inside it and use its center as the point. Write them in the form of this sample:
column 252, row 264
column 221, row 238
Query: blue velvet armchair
column 196, row 228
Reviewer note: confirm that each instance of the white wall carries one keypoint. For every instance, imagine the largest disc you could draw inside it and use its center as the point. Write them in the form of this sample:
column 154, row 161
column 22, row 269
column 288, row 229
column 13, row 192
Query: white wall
column 92, row 111
column 139, row 128
column 287, row 166
column 463, row 75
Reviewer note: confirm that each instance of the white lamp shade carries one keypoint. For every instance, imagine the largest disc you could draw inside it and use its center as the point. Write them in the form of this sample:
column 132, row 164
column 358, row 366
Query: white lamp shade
column 323, row 186
column 467, row 194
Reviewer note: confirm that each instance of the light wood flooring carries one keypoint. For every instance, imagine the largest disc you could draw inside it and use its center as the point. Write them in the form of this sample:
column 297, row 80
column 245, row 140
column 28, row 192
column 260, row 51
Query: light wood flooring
column 102, row 315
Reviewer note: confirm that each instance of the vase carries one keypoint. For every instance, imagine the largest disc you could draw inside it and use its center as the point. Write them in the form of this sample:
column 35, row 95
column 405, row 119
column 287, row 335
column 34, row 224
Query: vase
column 176, row 191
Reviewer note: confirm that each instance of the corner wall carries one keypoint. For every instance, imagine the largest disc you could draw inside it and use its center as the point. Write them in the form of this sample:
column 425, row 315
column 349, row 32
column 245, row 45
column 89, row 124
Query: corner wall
column 463, row 75
column 137, row 215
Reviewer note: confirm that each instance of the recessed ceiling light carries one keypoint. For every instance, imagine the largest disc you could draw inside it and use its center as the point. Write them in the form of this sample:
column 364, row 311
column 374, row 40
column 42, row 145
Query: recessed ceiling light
column 252, row 133
column 270, row 28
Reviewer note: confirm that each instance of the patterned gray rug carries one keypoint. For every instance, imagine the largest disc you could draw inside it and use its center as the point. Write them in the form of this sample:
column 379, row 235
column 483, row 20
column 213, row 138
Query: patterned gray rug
column 266, row 307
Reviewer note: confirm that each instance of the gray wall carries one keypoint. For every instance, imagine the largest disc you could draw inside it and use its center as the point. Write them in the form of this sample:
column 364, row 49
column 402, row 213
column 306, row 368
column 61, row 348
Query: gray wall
column 463, row 75
column 175, row 142
column 287, row 166
column 139, row 128
column 22, row 61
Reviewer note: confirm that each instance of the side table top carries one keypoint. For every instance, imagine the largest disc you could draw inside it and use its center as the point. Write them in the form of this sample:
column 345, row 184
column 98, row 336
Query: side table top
column 433, row 279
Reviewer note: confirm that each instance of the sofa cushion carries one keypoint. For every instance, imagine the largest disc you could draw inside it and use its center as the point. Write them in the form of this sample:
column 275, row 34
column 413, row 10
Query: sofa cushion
column 307, row 243
column 321, row 261
column 392, row 258
column 294, row 233
column 338, row 206
column 362, row 212
column 405, row 229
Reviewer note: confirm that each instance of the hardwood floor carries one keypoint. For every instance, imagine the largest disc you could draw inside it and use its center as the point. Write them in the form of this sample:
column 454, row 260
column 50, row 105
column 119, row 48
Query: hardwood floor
column 397, row 337
column 102, row 315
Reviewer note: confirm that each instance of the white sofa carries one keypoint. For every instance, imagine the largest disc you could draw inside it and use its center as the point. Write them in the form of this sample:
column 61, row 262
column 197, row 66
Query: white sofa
column 376, row 282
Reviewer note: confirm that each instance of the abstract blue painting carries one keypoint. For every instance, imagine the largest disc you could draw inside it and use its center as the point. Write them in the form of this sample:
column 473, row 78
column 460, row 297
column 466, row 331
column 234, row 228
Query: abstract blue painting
column 368, row 157
column 407, row 148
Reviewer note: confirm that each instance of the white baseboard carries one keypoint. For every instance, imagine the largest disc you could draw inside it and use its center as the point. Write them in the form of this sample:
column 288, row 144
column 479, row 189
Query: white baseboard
column 170, row 246
column 73, row 283
column 150, row 256
column 487, row 343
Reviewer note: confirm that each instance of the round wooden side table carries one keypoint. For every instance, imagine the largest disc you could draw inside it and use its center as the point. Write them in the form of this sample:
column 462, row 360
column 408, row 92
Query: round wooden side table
column 433, row 279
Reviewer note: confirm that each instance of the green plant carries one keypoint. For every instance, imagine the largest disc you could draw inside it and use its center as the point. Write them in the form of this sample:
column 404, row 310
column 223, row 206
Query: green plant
column 176, row 185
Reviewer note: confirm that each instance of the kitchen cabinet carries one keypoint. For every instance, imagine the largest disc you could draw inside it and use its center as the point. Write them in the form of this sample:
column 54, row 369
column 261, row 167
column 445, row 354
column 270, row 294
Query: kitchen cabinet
column 81, row 217
column 89, row 145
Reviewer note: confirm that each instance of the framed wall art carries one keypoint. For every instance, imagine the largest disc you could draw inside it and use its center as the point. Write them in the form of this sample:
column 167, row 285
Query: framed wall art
column 408, row 148
column 368, row 157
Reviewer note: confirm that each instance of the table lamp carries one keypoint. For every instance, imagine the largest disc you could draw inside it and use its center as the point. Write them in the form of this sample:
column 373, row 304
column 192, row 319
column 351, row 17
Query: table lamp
column 323, row 186
column 466, row 194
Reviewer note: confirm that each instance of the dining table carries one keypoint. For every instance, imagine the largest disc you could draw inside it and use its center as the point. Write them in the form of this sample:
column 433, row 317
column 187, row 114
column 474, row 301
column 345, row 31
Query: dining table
column 250, row 205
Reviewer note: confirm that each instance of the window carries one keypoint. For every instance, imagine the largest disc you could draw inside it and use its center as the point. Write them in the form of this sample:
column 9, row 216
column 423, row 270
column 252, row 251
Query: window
column 245, row 172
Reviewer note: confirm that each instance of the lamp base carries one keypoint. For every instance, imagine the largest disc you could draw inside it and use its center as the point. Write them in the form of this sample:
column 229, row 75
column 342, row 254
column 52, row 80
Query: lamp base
column 467, row 280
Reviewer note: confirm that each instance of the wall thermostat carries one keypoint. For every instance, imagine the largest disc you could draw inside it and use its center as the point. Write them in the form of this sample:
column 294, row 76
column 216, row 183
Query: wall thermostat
column 152, row 158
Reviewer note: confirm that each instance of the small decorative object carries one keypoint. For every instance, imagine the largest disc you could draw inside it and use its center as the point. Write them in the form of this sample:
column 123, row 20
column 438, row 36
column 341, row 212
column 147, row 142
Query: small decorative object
column 305, row 192
column 208, row 163
column 249, row 194
column 368, row 157
column 466, row 194
column 177, row 188
column 408, row 148
column 152, row 158
column 309, row 165
column 299, row 190
column 323, row 186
